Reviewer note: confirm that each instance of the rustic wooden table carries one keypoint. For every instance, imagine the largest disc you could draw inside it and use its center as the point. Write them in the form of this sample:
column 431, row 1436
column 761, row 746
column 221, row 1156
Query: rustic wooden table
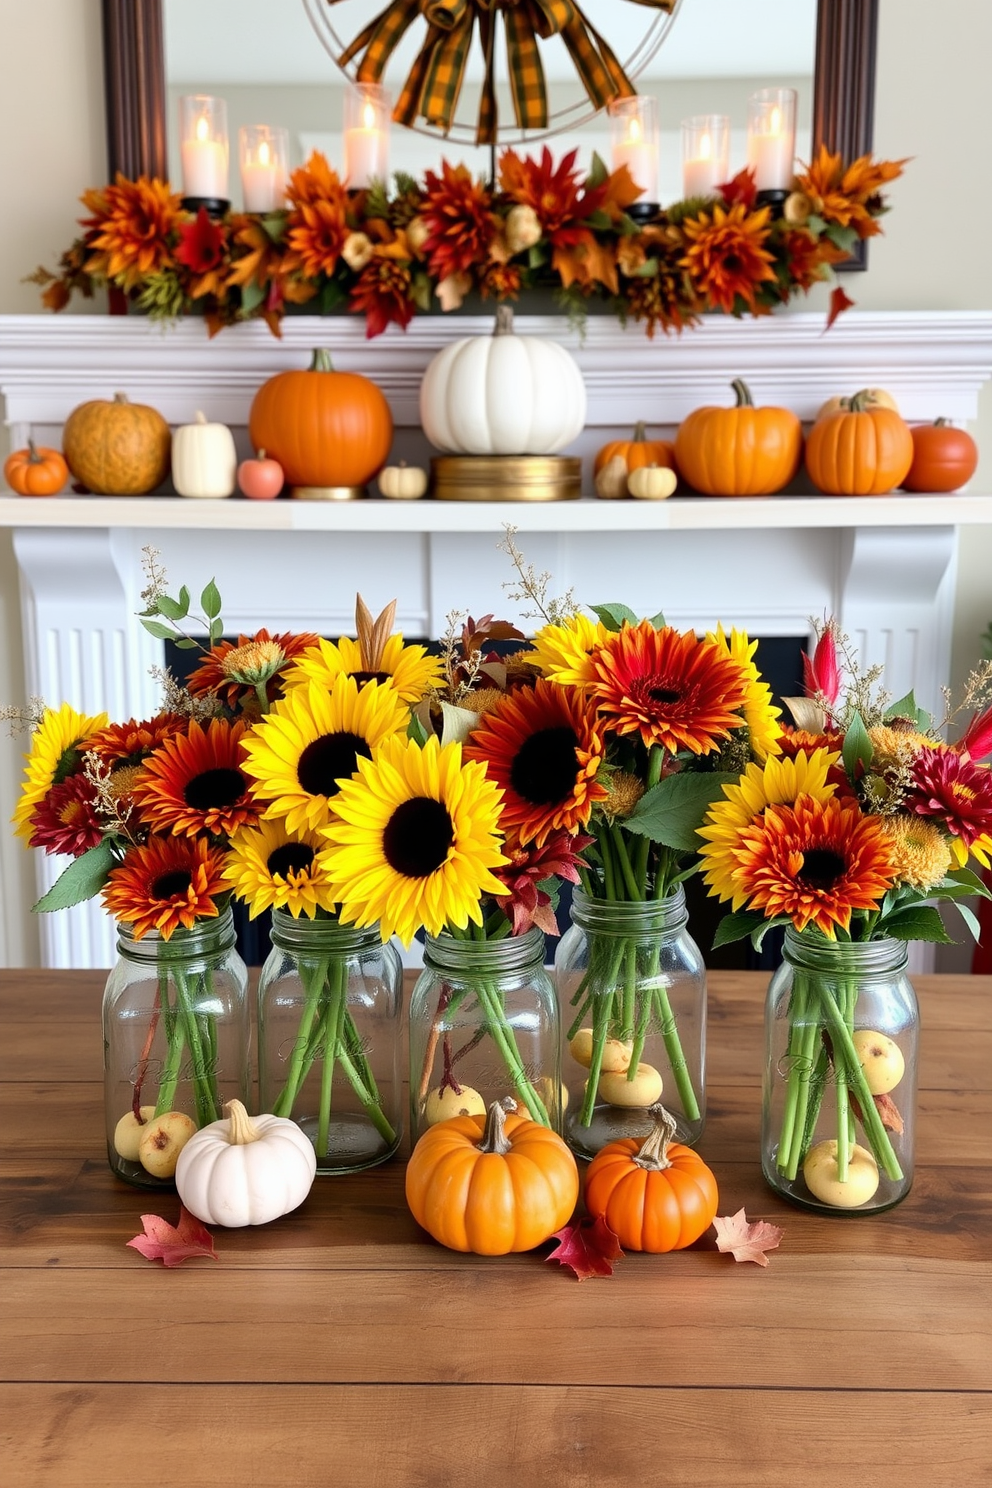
column 341, row 1345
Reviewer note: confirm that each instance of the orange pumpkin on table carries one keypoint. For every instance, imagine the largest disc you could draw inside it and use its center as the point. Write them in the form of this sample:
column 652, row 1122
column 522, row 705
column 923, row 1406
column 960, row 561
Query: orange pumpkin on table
column 117, row 448
column 655, row 1194
column 740, row 451
column 865, row 450
column 636, row 452
column 36, row 471
column 944, row 458
column 325, row 428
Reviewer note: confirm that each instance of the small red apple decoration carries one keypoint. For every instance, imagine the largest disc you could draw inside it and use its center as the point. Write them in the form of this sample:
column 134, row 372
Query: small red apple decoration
column 260, row 478
column 944, row 458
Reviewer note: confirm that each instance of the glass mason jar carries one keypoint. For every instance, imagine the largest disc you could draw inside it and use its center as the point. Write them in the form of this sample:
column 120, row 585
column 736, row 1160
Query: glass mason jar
column 329, row 1011
column 839, row 1100
column 632, row 987
column 176, row 1042
column 484, row 1025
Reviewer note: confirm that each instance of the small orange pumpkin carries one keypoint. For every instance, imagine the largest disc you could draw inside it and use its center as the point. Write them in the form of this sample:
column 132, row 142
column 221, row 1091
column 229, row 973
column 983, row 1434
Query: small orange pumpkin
column 655, row 1194
column 325, row 428
column 636, row 452
column 491, row 1186
column 36, row 471
column 739, row 451
column 118, row 448
column 866, row 451
column 944, row 458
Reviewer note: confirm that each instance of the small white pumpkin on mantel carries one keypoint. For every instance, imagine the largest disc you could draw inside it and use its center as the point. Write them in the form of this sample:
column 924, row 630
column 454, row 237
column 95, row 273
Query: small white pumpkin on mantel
column 204, row 460
column 503, row 394
column 246, row 1170
column 403, row 482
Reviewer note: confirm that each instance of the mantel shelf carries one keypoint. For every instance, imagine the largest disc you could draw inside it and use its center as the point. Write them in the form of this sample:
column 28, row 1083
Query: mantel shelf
column 679, row 514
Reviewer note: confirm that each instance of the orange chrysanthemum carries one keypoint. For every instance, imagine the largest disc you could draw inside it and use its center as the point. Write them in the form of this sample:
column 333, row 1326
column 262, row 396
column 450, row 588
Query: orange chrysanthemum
column 231, row 671
column 129, row 743
column 843, row 196
column 673, row 689
column 384, row 288
column 317, row 225
column 165, row 884
column 543, row 747
column 130, row 232
column 814, row 862
column 726, row 258
column 501, row 282
column 195, row 783
column 461, row 225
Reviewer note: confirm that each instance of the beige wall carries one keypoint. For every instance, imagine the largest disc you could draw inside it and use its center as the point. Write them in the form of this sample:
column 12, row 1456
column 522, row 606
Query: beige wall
column 931, row 103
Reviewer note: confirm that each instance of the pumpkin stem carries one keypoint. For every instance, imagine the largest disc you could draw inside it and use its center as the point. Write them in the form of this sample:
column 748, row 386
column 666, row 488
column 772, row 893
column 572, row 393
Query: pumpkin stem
column 494, row 1138
column 504, row 321
column 33, row 456
column 200, row 418
column 260, row 454
column 743, row 393
column 120, row 397
column 242, row 1129
column 640, row 432
column 654, row 1149
column 321, row 360
column 940, row 423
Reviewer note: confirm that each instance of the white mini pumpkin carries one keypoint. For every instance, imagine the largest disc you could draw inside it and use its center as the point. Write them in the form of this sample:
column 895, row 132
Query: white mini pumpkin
column 652, row 482
column 403, row 482
column 204, row 460
column 502, row 394
column 246, row 1170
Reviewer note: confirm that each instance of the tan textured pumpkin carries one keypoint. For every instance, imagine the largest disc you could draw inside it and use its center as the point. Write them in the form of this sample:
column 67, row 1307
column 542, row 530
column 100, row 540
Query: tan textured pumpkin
column 118, row 448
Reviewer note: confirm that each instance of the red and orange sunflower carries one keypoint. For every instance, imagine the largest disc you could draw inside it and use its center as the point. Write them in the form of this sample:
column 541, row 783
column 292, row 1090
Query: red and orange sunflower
column 131, row 230
column 196, row 784
column 673, row 689
column 954, row 792
column 317, row 225
column 167, row 883
column 814, row 862
column 726, row 258
column 544, row 747
column 233, row 670
column 460, row 221
column 66, row 820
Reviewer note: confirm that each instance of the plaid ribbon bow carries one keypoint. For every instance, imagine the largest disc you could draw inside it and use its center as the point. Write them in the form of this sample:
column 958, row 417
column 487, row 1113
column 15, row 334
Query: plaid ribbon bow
column 432, row 89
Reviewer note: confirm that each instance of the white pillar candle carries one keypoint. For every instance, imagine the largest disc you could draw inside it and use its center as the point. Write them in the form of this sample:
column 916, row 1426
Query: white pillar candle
column 203, row 147
column 705, row 154
column 263, row 153
column 640, row 156
column 366, row 137
column 771, row 138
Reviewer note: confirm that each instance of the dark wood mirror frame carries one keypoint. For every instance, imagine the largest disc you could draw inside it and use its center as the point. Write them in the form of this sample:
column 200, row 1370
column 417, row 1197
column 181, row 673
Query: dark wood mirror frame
column 134, row 73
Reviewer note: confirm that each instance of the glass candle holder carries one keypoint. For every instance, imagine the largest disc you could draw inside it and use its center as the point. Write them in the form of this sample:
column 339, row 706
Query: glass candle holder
column 367, row 109
column 264, row 157
column 705, row 154
column 204, row 150
column 635, row 142
column 771, row 137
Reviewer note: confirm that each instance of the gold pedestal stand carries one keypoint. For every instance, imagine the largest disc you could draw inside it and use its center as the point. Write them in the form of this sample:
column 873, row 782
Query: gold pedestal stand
column 328, row 493
column 506, row 478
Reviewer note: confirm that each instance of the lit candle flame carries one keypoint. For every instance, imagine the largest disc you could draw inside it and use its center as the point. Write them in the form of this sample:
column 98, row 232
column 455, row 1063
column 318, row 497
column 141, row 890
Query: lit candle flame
column 369, row 116
column 634, row 132
column 202, row 128
column 705, row 147
column 775, row 127
column 263, row 153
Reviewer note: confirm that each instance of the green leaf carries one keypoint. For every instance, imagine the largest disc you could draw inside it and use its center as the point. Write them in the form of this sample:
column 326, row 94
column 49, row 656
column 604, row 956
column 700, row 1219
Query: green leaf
column 671, row 811
column 599, row 221
column 844, row 237
column 739, row 926
column 184, row 601
column 421, row 291
column 613, row 615
column 405, row 183
column 84, row 877
column 908, row 707
column 216, row 631
column 971, row 920
column 170, row 608
column 157, row 629
column 857, row 747
column 186, row 644
column 252, row 295
column 816, row 224
column 973, row 881
column 658, row 621
column 275, row 226
column 921, row 922
column 537, row 256
column 417, row 730
column 758, row 935
column 598, row 171
column 210, row 600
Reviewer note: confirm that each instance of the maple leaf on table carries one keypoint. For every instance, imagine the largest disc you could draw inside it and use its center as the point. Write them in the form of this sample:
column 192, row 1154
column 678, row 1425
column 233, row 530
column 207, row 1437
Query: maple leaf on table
column 746, row 1242
column 172, row 1246
column 840, row 301
column 589, row 1247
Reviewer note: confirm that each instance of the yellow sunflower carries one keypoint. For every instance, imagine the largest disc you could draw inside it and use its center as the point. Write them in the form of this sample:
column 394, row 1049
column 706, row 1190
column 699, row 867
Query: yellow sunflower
column 759, row 713
column 414, row 840
column 779, row 782
column 408, row 669
column 563, row 652
column 271, row 868
column 311, row 740
column 55, row 754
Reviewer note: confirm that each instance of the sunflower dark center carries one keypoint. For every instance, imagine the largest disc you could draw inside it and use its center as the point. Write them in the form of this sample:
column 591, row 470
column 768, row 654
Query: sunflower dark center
column 327, row 760
column 822, row 868
column 732, row 263
column 213, row 788
column 362, row 677
column 291, row 857
column 545, row 766
column 664, row 694
column 417, row 837
column 168, row 885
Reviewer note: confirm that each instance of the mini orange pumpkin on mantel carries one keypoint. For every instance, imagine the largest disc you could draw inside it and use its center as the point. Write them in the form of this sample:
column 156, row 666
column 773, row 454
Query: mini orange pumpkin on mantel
column 944, row 458
column 865, row 450
column 739, row 451
column 655, row 1194
column 636, row 452
column 36, row 471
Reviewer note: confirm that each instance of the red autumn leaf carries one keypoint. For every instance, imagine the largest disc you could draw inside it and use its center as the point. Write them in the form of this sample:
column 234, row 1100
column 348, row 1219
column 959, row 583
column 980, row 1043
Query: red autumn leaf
column 740, row 188
column 161, row 1242
column 839, row 302
column 588, row 1246
column 202, row 242
column 747, row 1242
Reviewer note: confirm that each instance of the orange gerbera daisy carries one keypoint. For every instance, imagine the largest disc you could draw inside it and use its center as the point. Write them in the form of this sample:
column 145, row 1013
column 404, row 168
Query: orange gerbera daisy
column 726, row 257
column 167, row 883
column 673, row 689
column 318, row 224
column 131, row 229
column 195, row 783
column 543, row 746
column 234, row 670
column 815, row 862
column 129, row 743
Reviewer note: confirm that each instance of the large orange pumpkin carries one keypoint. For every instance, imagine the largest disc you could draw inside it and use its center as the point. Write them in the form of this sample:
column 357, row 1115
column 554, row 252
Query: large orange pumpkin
column 654, row 1194
column 636, row 452
column 36, row 471
column 325, row 428
column 740, row 451
column 866, row 451
column 118, row 448
column 493, row 1185
column 944, row 458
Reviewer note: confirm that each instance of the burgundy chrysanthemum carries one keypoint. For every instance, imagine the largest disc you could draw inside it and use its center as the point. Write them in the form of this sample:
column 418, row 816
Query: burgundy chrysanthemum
column 528, row 904
column 954, row 791
column 66, row 820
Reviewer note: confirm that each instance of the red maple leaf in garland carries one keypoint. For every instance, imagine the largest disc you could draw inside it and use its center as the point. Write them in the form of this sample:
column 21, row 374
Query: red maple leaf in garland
column 740, row 188
column 202, row 250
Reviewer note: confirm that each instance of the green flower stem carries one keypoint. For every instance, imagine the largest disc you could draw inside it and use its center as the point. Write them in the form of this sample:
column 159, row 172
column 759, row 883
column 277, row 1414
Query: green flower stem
column 641, row 1032
column 797, row 1016
column 506, row 1043
column 332, row 1036
column 579, row 1019
column 676, row 1057
column 313, row 987
column 656, row 762
column 369, row 1100
column 843, row 1045
column 628, row 1001
column 602, row 1017
column 623, row 859
column 175, row 1035
column 809, row 1034
column 205, row 1109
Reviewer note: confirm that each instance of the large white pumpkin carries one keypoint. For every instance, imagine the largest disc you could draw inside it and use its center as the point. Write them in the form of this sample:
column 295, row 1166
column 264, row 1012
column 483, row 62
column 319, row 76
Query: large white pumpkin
column 204, row 460
column 502, row 394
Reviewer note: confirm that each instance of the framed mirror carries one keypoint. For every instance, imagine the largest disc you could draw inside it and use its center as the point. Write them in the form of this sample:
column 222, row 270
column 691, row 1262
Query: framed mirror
column 143, row 76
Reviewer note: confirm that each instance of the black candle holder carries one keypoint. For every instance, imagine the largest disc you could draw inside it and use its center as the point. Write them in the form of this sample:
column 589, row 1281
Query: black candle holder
column 643, row 211
column 775, row 199
column 214, row 206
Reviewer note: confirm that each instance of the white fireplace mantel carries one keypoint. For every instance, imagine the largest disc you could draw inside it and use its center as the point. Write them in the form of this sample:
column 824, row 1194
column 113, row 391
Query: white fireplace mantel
column 885, row 566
